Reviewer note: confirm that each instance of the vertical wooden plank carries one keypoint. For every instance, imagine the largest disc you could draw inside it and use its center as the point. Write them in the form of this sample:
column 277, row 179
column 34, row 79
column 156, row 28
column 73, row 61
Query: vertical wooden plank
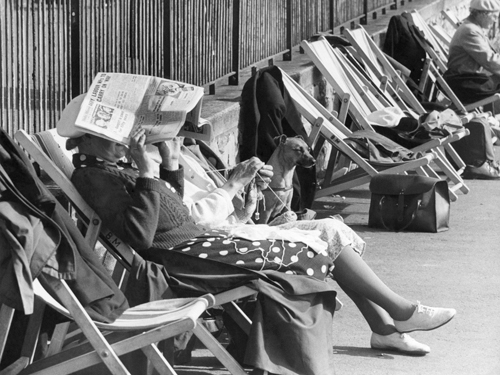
column 289, row 30
column 23, row 120
column 75, row 48
column 235, row 78
column 167, row 34
column 3, row 65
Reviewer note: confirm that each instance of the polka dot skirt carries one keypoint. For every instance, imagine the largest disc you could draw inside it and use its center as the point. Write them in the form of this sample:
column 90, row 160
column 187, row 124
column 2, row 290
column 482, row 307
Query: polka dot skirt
column 279, row 255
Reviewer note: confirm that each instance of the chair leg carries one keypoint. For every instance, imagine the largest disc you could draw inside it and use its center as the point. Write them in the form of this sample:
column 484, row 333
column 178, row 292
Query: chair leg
column 6, row 316
column 218, row 350
column 158, row 361
column 57, row 339
column 30, row 339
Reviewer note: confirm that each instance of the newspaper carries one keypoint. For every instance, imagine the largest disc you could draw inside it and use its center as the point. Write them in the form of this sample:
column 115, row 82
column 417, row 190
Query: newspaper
column 118, row 103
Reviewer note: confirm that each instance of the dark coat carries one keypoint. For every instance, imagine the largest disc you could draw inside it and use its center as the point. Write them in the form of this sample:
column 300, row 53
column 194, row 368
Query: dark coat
column 401, row 44
column 267, row 111
column 60, row 251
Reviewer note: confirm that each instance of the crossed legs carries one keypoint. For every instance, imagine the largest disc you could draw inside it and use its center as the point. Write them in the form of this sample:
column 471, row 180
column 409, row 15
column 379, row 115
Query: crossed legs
column 376, row 301
column 386, row 312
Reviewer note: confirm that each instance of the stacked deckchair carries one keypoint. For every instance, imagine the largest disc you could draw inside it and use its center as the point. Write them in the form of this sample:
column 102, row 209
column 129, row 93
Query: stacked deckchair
column 378, row 63
column 381, row 66
column 326, row 127
column 361, row 97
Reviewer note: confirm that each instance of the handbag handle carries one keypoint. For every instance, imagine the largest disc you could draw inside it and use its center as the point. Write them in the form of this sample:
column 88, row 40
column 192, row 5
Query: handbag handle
column 400, row 216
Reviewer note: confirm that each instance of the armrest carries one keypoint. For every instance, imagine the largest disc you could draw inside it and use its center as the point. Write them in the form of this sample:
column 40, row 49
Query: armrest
column 482, row 102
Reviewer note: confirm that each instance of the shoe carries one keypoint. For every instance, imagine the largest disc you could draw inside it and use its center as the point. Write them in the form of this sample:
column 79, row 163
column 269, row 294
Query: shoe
column 490, row 170
column 425, row 318
column 399, row 342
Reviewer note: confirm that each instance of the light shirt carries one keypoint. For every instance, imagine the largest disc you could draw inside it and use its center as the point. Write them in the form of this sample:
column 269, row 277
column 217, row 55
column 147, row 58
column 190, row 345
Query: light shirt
column 471, row 51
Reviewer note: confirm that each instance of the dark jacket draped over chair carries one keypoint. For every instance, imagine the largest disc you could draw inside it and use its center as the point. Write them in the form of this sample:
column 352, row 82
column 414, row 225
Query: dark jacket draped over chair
column 267, row 111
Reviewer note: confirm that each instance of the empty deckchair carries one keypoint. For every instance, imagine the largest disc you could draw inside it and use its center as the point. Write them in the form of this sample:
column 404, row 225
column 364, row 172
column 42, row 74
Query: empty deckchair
column 60, row 173
column 378, row 63
column 441, row 36
column 365, row 98
column 329, row 128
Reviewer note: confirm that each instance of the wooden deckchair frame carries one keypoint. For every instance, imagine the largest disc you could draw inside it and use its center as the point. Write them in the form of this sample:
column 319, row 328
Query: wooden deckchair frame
column 377, row 61
column 451, row 18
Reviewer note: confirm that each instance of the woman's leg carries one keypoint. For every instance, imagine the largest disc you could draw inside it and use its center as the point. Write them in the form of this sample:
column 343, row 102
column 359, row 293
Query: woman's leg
column 350, row 270
column 385, row 335
column 377, row 318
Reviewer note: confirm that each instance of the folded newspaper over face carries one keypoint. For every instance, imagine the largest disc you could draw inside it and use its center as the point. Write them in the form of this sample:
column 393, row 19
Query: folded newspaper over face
column 118, row 103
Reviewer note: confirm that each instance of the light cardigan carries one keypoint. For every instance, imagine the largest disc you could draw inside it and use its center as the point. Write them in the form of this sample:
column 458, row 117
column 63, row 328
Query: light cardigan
column 213, row 209
column 471, row 52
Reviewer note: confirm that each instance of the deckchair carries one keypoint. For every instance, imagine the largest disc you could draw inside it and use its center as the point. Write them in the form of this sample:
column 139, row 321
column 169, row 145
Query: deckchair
column 328, row 127
column 375, row 59
column 378, row 64
column 441, row 36
column 53, row 159
column 365, row 98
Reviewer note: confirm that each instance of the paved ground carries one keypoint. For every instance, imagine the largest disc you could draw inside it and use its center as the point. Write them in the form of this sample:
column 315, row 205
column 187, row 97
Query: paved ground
column 458, row 268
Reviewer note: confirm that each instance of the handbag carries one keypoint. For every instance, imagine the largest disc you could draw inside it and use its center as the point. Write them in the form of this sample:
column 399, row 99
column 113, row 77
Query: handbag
column 409, row 202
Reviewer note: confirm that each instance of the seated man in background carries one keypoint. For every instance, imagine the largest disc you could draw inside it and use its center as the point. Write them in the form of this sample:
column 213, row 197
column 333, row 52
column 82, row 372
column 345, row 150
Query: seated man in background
column 473, row 65
column 474, row 71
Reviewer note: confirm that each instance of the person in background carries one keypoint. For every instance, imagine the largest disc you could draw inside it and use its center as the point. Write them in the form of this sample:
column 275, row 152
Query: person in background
column 474, row 72
column 473, row 64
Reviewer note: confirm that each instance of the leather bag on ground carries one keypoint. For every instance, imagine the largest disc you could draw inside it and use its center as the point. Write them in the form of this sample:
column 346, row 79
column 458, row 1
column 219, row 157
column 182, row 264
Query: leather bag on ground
column 409, row 203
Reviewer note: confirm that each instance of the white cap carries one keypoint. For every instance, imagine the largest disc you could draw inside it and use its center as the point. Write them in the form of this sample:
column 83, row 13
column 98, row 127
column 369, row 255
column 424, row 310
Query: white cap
column 66, row 124
column 485, row 5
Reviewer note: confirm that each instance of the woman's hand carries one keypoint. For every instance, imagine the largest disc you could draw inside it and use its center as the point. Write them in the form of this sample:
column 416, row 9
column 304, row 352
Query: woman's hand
column 137, row 147
column 245, row 172
column 264, row 177
column 170, row 152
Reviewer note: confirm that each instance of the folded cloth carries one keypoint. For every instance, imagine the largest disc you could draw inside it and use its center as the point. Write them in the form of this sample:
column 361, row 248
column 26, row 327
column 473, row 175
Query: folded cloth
column 388, row 117
column 447, row 120
column 377, row 148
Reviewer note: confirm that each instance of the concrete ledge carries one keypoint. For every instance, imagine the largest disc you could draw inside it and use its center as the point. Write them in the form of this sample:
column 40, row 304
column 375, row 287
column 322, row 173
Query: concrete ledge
column 223, row 108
